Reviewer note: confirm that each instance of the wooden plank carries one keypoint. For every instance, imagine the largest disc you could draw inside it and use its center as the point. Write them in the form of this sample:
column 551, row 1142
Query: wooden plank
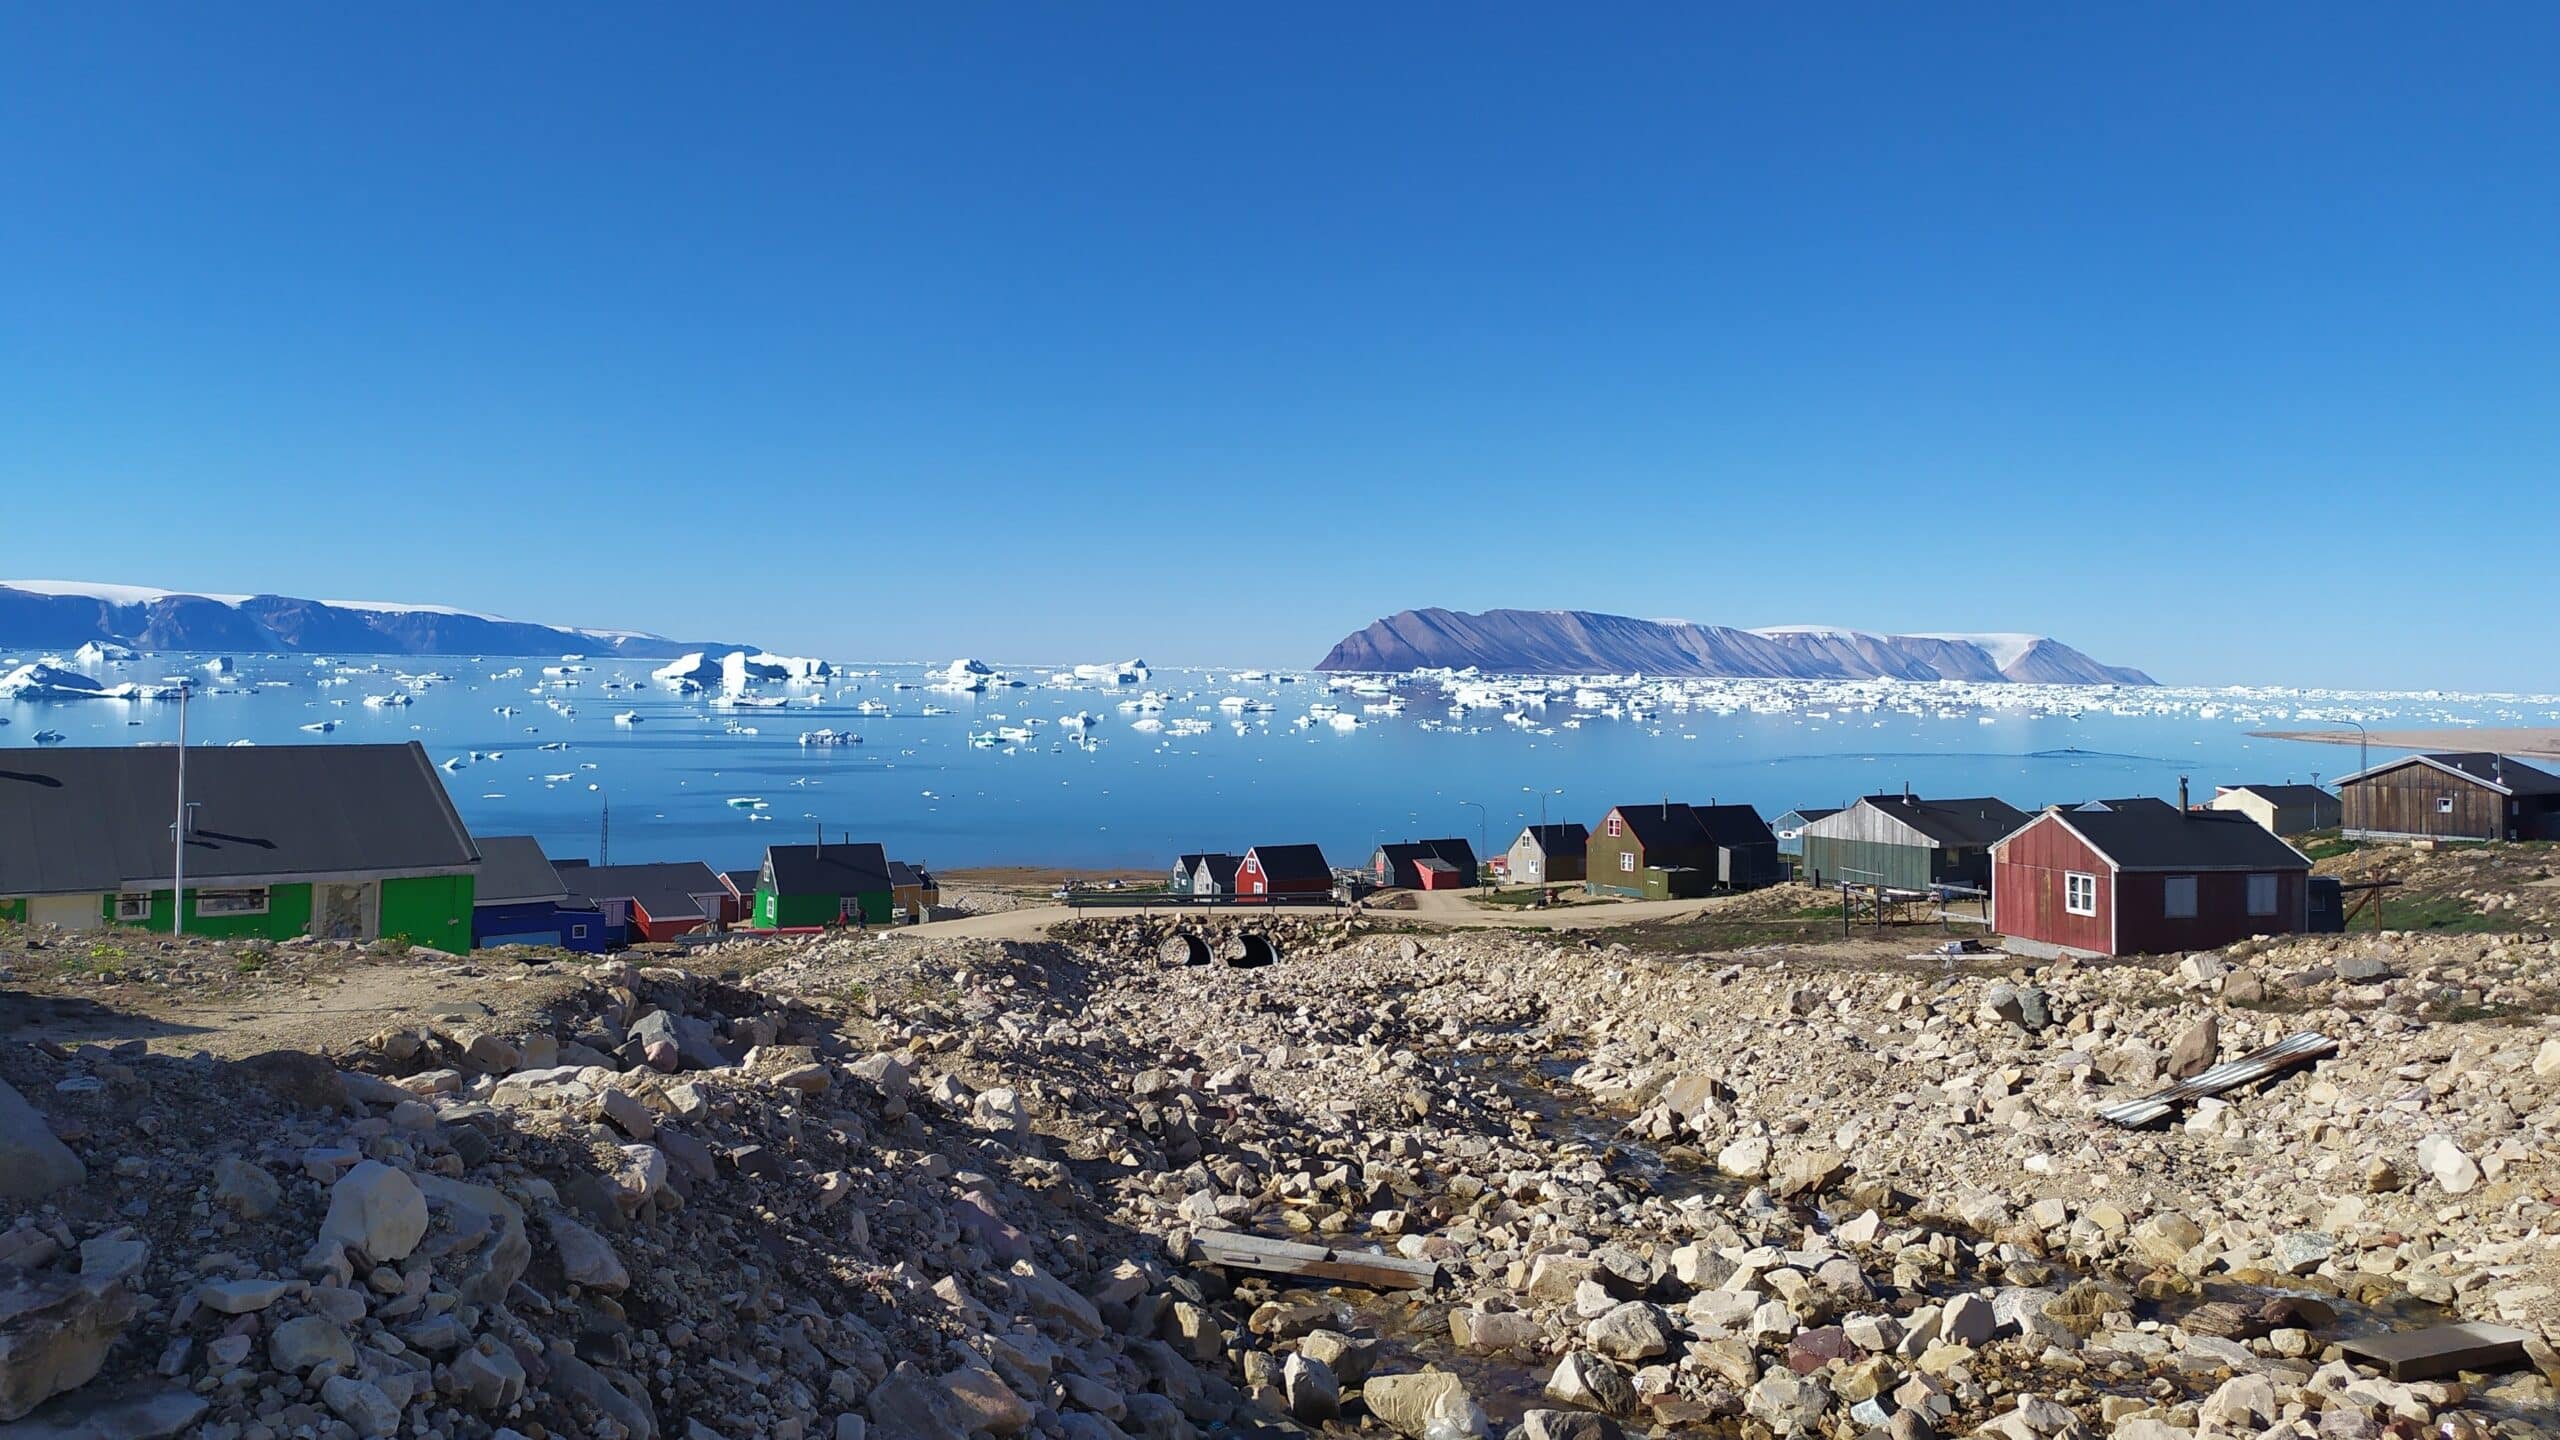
column 2441, row 1350
column 2298, row 1049
column 1235, row 1250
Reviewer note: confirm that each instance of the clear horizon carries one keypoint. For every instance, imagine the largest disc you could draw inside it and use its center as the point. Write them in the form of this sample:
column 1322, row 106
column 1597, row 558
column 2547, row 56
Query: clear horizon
column 2219, row 345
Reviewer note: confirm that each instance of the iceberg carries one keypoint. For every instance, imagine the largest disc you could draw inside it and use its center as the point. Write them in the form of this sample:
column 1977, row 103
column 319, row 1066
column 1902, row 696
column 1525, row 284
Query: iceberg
column 829, row 737
column 39, row 681
column 1126, row 672
column 101, row 652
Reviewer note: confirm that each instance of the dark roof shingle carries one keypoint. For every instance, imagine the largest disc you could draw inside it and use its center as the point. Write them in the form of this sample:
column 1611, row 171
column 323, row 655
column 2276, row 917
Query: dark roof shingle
column 514, row 871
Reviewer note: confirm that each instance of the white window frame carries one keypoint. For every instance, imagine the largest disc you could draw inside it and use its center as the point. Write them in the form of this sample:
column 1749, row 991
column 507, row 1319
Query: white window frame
column 2079, row 893
column 2169, row 887
column 1616, row 827
column 2444, row 804
column 130, row 907
column 1627, row 861
column 248, row 901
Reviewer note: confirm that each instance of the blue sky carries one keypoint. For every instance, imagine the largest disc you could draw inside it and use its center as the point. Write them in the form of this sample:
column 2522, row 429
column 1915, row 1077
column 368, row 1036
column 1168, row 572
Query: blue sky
column 2222, row 342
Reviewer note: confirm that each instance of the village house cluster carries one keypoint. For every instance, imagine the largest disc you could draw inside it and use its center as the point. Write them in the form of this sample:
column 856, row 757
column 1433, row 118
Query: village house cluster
column 363, row 842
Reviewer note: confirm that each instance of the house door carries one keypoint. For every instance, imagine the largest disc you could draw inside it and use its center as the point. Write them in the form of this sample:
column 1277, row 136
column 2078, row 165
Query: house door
column 71, row 912
column 346, row 912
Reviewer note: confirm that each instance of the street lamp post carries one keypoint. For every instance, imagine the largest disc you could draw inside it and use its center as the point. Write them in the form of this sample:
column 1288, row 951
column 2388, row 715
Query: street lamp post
column 1484, row 834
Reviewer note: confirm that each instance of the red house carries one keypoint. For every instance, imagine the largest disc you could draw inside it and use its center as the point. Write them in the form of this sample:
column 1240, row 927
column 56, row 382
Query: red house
column 1269, row 870
column 651, row 902
column 2143, row 877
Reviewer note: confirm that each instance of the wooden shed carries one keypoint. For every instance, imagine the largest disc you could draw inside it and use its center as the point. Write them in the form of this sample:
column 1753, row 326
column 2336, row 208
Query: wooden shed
column 1667, row 849
column 1271, row 870
column 1398, row 866
column 2465, row 795
column 2144, row 877
column 1904, row 842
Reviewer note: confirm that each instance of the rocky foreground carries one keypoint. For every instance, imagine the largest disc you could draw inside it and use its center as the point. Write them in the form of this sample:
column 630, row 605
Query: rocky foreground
column 898, row 1187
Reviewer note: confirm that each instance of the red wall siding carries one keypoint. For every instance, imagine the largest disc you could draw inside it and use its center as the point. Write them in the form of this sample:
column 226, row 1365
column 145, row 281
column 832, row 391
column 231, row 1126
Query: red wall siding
column 1249, row 878
column 2026, row 888
column 2222, row 911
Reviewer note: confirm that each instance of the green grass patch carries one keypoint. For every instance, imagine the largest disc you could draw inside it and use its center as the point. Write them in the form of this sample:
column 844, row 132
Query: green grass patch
column 2319, row 845
column 2442, row 914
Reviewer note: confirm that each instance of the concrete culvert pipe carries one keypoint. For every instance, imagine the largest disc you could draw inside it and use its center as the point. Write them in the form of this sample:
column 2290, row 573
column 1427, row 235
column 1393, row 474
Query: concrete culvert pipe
column 1184, row 949
column 1254, row 951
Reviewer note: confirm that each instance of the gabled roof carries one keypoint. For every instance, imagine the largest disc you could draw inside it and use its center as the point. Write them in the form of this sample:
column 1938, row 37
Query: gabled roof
column 666, row 889
column 1556, row 840
column 96, row 819
column 2482, row 767
column 1730, row 825
column 847, row 868
column 1807, row 814
column 907, row 875
column 1662, row 824
column 742, row 881
column 1292, row 862
column 1960, row 824
column 514, row 871
column 1191, row 862
column 1222, row 868
column 2283, row 795
column 2161, row 837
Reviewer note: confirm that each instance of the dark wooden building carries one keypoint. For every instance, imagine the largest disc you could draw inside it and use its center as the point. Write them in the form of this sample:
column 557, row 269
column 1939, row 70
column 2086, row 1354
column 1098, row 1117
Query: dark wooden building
column 1670, row 850
column 1904, row 842
column 1401, row 866
column 2145, row 877
column 2464, row 795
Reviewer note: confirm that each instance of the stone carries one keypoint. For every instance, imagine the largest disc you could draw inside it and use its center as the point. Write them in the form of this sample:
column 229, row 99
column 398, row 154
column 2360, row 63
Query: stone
column 375, row 1209
column 1314, row 1395
column 1587, row 1380
column 586, row 1258
column 364, row 1407
column 502, row 1251
column 1486, row 1331
column 2023, row 1006
column 984, row 1402
column 2441, row 1158
column 2165, row 1239
column 307, row 1341
column 1788, row 1403
column 1745, row 1159
column 2363, row 969
column 2299, row 1252
column 2195, row 1049
column 1967, row 1320
column 1430, row 1405
column 34, row 1162
column 1566, row 1425
column 243, row 1297
column 628, row 1114
column 54, row 1335
column 2245, row 1404
column 2546, row 1061
column 1808, row 1172
column 907, row 1404
column 245, row 1188
column 1631, row 1331
column 1349, row 1358
column 132, row 1414
column 488, row 1377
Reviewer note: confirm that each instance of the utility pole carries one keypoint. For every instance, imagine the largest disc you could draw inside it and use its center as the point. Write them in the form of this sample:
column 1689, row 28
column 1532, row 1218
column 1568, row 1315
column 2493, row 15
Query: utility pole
column 178, row 828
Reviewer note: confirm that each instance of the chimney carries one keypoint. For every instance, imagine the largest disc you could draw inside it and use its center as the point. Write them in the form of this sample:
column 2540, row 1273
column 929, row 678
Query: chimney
column 2182, row 794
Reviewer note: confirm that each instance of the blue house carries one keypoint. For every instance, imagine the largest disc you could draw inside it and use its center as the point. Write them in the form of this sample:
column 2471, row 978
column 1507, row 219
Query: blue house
column 521, row 900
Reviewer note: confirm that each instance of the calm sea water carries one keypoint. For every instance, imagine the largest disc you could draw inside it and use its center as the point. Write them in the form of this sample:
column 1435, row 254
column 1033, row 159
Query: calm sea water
column 684, row 779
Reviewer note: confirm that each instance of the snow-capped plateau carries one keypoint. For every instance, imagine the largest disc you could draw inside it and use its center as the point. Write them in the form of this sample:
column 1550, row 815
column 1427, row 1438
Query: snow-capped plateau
column 1582, row 642
column 67, row 613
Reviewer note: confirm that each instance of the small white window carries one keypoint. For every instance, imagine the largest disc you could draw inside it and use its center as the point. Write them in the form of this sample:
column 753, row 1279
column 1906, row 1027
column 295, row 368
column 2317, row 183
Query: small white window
column 2079, row 893
column 231, row 902
column 1627, row 860
column 577, row 932
column 133, row 907
column 2444, row 804
column 2262, row 894
column 1617, row 826
column 2178, row 897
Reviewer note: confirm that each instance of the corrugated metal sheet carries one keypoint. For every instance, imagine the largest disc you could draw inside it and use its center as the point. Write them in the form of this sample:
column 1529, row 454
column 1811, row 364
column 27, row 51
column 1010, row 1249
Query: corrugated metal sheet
column 2299, row 1049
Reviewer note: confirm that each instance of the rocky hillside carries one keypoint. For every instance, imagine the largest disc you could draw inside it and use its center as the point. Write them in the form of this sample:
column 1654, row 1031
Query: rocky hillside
column 1580, row 642
column 936, row 1189
column 65, row 614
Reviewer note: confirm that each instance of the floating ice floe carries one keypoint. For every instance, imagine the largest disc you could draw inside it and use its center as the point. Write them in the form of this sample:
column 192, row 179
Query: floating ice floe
column 627, row 718
column 50, row 737
column 746, row 802
column 829, row 737
column 101, row 652
column 39, row 681
column 391, row 701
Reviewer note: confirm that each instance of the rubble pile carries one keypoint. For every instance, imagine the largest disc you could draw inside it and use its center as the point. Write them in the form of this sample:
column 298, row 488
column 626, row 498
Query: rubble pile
column 897, row 1185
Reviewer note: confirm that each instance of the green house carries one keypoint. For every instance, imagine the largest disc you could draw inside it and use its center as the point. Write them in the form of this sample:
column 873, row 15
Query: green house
column 349, row 842
column 806, row 887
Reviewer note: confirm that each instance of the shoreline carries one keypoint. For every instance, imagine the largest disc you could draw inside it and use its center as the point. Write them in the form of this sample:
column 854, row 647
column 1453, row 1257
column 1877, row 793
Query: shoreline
column 2543, row 741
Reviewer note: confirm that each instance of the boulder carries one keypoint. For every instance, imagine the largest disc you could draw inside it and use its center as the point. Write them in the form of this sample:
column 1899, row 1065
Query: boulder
column 1314, row 1395
column 586, row 1259
column 490, row 1227
column 2452, row 1169
column 1632, row 1331
column 132, row 1414
column 2195, row 1049
column 1431, row 1405
column 1587, row 1380
column 54, row 1334
column 376, row 1209
column 34, row 1162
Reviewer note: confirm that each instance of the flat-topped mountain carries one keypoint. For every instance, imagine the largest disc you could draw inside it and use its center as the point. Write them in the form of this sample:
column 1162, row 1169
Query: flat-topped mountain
column 1580, row 642
column 64, row 613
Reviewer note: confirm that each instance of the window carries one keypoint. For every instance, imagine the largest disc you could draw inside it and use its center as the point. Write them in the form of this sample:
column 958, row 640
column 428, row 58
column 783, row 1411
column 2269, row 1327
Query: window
column 577, row 932
column 1627, row 860
column 2079, row 893
column 133, row 907
column 231, row 902
column 2178, row 897
column 2262, row 894
column 2444, row 804
column 1617, row 826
